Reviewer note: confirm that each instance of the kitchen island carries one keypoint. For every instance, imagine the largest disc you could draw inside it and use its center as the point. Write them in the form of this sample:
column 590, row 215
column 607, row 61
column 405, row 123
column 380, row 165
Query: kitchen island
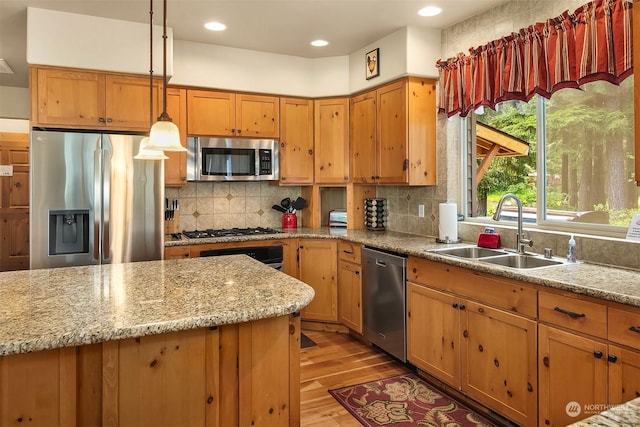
column 208, row 341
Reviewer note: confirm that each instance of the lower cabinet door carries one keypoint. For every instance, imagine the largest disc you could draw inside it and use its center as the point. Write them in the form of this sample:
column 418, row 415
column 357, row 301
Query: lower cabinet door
column 624, row 374
column 499, row 361
column 573, row 373
column 433, row 331
column 350, row 295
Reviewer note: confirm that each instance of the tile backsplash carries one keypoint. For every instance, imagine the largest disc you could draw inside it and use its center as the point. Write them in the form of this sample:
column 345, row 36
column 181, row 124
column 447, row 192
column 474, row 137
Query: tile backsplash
column 230, row 204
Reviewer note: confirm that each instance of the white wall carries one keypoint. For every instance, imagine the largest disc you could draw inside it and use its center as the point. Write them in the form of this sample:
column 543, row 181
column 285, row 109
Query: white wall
column 406, row 51
column 423, row 51
column 212, row 66
column 82, row 41
column 72, row 40
column 14, row 102
column 14, row 125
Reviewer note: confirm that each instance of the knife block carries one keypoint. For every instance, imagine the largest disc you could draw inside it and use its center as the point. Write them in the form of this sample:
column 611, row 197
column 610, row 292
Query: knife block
column 172, row 225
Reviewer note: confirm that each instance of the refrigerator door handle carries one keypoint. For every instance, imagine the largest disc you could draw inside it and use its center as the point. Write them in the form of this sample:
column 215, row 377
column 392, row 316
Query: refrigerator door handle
column 106, row 206
column 97, row 198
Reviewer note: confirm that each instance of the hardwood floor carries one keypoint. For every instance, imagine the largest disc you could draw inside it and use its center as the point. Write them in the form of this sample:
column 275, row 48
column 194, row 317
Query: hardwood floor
column 336, row 361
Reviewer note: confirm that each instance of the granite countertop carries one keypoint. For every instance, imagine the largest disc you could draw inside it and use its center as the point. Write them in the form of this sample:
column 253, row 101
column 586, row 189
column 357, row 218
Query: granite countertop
column 598, row 281
column 60, row 307
column 623, row 415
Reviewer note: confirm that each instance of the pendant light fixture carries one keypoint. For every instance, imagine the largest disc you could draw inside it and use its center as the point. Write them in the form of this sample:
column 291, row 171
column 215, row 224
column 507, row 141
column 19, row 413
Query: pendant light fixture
column 164, row 134
column 144, row 152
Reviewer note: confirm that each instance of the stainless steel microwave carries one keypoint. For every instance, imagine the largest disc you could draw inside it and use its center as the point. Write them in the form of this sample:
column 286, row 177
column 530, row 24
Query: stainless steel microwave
column 232, row 159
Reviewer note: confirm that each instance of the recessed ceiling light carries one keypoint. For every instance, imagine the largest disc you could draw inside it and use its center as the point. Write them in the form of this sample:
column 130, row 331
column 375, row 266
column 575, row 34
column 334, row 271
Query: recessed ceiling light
column 319, row 43
column 215, row 26
column 430, row 11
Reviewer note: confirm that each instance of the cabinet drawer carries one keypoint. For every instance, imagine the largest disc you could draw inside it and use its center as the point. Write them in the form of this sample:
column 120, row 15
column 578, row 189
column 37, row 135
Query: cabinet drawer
column 624, row 327
column 511, row 295
column 350, row 252
column 573, row 313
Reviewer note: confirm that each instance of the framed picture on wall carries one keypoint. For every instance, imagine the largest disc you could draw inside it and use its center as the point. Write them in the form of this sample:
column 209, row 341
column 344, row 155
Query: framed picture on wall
column 372, row 63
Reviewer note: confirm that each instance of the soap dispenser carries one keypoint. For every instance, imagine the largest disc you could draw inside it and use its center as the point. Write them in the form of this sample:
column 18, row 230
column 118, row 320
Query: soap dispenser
column 571, row 250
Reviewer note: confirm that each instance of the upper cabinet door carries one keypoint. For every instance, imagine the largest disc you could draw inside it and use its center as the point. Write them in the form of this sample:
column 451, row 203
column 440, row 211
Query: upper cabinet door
column 127, row 102
column 363, row 138
column 210, row 113
column 296, row 141
column 68, row 97
column 257, row 116
column 331, row 140
column 175, row 168
column 393, row 156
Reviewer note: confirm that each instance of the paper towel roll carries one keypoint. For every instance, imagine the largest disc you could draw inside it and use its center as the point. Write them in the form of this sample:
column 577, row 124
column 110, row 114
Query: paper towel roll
column 448, row 222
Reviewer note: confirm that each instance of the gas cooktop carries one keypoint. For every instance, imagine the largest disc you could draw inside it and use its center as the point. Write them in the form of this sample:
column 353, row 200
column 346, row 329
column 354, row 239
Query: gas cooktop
column 227, row 232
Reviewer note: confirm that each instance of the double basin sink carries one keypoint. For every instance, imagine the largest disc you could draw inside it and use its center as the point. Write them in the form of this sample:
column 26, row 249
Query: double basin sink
column 500, row 257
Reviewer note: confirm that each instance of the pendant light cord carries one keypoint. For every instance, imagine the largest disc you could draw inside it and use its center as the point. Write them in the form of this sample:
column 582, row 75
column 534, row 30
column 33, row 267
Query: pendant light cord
column 164, row 116
column 150, row 62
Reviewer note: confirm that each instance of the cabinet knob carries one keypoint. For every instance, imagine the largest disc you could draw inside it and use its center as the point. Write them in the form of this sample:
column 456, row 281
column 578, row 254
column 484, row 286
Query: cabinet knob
column 612, row 358
column 597, row 354
column 282, row 145
column 239, row 130
column 357, row 273
column 233, row 131
column 454, row 305
column 462, row 307
column 109, row 120
column 310, row 152
column 101, row 119
column 635, row 329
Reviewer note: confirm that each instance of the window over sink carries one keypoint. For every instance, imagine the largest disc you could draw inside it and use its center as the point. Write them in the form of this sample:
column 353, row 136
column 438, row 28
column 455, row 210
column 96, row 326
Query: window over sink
column 580, row 141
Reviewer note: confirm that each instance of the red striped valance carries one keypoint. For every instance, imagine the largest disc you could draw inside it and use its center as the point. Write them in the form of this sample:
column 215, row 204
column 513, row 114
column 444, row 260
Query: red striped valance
column 592, row 43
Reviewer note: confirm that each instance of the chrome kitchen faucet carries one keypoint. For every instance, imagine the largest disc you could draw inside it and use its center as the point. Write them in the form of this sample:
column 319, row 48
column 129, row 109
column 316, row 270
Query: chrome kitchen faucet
column 520, row 239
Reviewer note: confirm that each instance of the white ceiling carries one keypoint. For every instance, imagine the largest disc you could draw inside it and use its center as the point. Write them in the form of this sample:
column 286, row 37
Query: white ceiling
column 277, row 26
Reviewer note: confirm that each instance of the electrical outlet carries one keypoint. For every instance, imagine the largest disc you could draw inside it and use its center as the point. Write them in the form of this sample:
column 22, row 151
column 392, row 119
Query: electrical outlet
column 421, row 211
column 6, row 170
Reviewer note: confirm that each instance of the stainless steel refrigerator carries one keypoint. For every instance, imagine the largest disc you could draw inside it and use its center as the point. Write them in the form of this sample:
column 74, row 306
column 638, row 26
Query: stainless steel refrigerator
column 92, row 202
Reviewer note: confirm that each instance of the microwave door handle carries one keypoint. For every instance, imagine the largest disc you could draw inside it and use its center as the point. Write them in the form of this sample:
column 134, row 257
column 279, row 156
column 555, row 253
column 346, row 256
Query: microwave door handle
column 257, row 163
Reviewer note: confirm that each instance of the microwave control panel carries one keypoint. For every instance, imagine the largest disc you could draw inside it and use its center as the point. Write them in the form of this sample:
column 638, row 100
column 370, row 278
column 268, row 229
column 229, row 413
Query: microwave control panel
column 265, row 162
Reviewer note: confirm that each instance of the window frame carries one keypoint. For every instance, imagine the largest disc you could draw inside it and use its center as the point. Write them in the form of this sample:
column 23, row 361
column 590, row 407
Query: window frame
column 468, row 141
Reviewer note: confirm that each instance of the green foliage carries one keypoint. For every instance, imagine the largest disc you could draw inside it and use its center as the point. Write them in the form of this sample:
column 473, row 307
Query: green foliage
column 517, row 119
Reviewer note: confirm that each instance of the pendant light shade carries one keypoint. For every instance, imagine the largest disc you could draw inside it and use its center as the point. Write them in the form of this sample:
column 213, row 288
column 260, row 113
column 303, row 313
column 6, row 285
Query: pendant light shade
column 164, row 134
column 145, row 153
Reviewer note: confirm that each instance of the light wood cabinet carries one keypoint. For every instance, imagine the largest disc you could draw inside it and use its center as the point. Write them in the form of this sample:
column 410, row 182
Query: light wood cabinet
column 589, row 357
column 350, row 285
column 406, row 132
column 573, row 373
column 433, row 332
column 457, row 333
column 393, row 131
column 91, row 100
column 318, row 263
column 177, row 252
column 296, row 141
column 14, row 202
column 175, row 167
column 215, row 113
column 363, row 117
column 331, row 141
column 239, row 374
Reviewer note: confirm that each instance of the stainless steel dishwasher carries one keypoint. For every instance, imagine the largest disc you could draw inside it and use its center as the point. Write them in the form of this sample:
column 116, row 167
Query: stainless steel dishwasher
column 383, row 301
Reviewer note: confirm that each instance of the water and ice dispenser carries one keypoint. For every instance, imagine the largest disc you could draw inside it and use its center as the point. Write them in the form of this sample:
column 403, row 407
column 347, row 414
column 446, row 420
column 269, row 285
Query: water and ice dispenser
column 68, row 232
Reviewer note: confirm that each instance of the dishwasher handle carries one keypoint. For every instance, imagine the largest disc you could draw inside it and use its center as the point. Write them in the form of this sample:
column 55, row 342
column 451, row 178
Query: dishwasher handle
column 381, row 262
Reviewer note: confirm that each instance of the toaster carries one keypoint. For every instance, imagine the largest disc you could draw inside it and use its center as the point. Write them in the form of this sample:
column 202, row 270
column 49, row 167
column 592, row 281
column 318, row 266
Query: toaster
column 338, row 218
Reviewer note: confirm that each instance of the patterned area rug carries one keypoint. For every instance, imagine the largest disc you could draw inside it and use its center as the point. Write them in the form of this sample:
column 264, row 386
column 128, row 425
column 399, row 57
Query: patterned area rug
column 404, row 400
